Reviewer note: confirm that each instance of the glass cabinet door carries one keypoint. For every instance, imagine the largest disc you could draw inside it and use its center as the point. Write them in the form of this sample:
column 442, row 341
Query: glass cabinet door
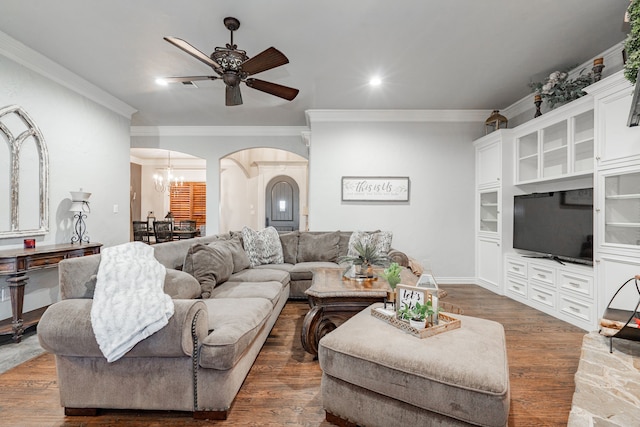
column 583, row 148
column 528, row 157
column 554, row 150
column 622, row 209
column 489, row 211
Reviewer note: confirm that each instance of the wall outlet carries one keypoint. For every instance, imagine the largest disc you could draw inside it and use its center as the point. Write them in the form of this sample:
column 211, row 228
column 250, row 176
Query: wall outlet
column 6, row 295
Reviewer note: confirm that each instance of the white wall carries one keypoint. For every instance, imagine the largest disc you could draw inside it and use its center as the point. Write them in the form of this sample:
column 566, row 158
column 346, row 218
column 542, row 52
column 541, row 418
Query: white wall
column 437, row 156
column 214, row 143
column 88, row 147
column 237, row 201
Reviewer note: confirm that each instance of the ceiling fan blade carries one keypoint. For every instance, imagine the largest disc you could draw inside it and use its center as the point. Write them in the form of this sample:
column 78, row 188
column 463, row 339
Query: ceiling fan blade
column 187, row 79
column 285, row 92
column 233, row 96
column 181, row 44
column 265, row 60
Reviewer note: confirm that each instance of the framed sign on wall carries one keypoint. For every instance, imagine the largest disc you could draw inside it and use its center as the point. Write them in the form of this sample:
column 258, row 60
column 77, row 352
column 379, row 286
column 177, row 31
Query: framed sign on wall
column 375, row 189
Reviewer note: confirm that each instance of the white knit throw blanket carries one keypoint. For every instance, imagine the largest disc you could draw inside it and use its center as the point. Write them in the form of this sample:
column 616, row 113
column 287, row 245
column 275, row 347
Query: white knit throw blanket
column 129, row 303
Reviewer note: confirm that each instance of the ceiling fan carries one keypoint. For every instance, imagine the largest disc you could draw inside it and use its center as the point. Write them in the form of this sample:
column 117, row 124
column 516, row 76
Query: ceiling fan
column 233, row 66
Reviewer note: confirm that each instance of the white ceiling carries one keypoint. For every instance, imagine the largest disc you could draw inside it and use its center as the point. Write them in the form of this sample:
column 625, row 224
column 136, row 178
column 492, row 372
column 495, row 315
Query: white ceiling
column 463, row 54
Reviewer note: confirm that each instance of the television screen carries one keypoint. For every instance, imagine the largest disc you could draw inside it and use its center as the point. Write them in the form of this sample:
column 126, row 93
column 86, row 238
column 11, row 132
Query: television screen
column 555, row 224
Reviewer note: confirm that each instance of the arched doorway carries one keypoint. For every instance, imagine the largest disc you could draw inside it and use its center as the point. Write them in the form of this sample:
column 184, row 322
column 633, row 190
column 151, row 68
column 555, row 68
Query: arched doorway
column 282, row 204
column 244, row 177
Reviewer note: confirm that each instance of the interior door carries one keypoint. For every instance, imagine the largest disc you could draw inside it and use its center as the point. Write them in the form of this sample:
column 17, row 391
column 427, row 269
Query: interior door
column 282, row 204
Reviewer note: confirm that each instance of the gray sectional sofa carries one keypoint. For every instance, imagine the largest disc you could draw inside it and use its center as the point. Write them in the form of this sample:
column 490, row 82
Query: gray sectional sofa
column 199, row 361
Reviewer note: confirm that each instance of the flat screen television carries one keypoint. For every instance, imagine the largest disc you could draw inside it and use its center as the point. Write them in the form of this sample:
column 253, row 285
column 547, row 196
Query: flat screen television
column 556, row 224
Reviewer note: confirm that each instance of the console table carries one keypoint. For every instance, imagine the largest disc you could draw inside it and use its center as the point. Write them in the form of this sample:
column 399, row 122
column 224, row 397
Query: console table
column 16, row 263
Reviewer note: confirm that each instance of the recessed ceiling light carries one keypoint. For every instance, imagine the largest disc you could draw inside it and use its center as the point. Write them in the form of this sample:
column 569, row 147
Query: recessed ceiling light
column 161, row 81
column 375, row 81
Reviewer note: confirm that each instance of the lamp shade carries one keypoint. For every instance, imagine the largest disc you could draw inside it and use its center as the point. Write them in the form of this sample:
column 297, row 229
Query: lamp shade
column 79, row 196
column 79, row 207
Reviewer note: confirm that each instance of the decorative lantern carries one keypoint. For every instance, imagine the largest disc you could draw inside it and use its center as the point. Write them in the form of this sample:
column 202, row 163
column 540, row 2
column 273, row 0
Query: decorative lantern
column 598, row 65
column 494, row 122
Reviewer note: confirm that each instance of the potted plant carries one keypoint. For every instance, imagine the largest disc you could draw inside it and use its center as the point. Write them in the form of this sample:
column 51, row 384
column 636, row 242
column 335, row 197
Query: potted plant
column 417, row 315
column 367, row 256
column 392, row 275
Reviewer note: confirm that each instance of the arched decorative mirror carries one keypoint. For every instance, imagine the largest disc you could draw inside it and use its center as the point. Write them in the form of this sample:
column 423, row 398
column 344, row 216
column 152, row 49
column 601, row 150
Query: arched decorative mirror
column 24, row 175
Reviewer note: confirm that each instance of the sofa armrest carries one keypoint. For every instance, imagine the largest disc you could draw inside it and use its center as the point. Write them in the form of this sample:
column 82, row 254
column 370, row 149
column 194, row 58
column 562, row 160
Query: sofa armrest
column 65, row 329
column 399, row 257
column 77, row 276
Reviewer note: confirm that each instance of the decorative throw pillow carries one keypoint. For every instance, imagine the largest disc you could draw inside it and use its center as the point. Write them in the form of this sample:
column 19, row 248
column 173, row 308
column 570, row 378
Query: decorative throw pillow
column 318, row 247
column 289, row 243
column 210, row 265
column 262, row 247
column 180, row 285
column 380, row 239
column 240, row 258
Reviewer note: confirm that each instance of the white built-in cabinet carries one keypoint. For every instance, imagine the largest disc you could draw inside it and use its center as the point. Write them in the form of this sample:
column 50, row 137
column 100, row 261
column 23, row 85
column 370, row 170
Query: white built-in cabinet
column 563, row 291
column 617, row 188
column 491, row 172
column 585, row 140
column 558, row 145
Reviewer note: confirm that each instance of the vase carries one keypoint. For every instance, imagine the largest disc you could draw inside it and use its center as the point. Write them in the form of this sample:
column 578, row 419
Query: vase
column 418, row 324
column 362, row 270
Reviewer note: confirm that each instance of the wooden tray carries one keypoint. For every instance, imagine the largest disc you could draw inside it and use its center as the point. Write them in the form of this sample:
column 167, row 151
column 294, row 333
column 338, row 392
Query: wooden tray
column 445, row 323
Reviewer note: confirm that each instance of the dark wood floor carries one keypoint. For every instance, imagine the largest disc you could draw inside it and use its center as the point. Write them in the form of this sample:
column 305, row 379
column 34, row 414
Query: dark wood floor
column 283, row 387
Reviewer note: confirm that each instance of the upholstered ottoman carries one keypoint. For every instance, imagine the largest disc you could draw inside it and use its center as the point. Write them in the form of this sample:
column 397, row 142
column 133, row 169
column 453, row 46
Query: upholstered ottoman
column 374, row 374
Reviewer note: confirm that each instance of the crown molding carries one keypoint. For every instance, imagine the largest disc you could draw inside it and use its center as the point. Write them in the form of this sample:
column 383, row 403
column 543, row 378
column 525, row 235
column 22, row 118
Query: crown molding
column 611, row 84
column 218, row 130
column 397, row 115
column 29, row 58
column 612, row 58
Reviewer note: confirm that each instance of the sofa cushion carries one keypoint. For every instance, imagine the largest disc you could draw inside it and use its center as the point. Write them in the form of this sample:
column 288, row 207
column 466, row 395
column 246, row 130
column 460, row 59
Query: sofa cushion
column 234, row 324
column 240, row 257
column 281, row 267
column 171, row 254
column 289, row 243
column 267, row 290
column 318, row 247
column 261, row 275
column 262, row 247
column 181, row 285
column 209, row 265
column 343, row 243
column 380, row 239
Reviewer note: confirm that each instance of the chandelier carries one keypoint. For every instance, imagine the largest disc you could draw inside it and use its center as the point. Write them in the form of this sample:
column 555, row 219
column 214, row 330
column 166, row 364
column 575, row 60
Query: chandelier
column 166, row 180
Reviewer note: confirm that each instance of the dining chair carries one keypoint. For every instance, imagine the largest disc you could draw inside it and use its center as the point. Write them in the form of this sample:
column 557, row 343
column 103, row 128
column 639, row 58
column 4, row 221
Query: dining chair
column 141, row 231
column 163, row 231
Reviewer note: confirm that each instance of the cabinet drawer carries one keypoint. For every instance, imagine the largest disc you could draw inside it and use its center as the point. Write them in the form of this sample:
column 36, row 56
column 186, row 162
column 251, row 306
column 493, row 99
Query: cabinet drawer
column 542, row 295
column 517, row 268
column 574, row 282
column 517, row 287
column 44, row 261
column 542, row 274
column 576, row 308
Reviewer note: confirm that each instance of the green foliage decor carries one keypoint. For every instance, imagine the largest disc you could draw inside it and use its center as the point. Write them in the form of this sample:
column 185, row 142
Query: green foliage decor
column 392, row 274
column 632, row 43
column 559, row 89
column 418, row 313
column 367, row 255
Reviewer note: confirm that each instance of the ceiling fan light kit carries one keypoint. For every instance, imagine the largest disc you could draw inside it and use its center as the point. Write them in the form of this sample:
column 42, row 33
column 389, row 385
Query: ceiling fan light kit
column 233, row 67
